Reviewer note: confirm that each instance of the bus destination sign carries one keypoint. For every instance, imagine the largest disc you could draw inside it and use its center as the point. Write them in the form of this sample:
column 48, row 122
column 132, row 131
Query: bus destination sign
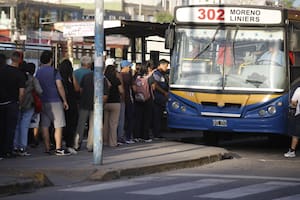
column 228, row 15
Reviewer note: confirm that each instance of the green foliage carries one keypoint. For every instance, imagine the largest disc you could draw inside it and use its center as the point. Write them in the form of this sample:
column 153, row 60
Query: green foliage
column 163, row 17
column 288, row 3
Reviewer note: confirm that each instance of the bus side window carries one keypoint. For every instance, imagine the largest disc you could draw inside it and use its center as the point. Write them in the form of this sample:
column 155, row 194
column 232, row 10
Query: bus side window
column 295, row 65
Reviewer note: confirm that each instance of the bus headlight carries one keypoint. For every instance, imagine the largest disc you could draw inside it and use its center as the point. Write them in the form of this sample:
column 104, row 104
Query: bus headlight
column 262, row 113
column 183, row 108
column 175, row 105
column 272, row 110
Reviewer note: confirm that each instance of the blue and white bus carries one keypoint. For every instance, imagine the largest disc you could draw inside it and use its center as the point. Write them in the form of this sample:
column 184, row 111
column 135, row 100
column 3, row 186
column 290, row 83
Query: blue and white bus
column 218, row 83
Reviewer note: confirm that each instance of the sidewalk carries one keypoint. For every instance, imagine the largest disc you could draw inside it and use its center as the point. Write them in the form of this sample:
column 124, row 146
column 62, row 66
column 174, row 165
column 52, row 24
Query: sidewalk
column 24, row 174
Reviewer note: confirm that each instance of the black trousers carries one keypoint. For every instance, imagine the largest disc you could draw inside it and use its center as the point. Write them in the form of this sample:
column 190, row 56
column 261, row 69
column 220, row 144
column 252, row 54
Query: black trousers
column 294, row 125
column 69, row 131
column 157, row 119
column 143, row 119
column 8, row 123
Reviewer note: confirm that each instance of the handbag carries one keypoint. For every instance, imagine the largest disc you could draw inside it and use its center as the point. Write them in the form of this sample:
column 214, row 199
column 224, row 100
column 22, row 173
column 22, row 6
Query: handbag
column 37, row 102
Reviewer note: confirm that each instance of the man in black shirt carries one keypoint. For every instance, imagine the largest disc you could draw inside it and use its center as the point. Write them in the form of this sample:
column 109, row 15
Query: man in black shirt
column 86, row 108
column 12, row 88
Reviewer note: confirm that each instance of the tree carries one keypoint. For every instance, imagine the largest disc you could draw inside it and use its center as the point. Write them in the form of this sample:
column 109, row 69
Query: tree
column 288, row 3
column 163, row 17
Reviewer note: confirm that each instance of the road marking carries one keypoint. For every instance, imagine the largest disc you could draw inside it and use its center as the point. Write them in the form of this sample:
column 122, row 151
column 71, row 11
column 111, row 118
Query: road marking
column 248, row 190
column 236, row 176
column 293, row 197
column 102, row 186
column 116, row 184
column 181, row 187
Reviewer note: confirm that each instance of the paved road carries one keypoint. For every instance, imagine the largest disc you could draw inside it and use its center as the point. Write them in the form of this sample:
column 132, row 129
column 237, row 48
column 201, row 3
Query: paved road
column 178, row 185
column 258, row 171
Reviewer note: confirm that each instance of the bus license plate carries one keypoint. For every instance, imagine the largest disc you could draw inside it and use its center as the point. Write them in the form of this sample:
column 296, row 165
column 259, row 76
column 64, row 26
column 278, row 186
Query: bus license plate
column 220, row 122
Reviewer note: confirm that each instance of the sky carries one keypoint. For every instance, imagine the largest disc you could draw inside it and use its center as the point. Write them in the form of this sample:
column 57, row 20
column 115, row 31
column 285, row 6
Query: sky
column 296, row 3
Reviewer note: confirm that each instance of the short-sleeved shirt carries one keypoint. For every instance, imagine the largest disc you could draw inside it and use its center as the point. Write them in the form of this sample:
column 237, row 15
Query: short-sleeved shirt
column 47, row 77
column 127, row 81
column 162, row 80
column 11, row 80
column 296, row 97
column 80, row 73
column 114, row 94
column 269, row 58
column 86, row 101
column 87, row 96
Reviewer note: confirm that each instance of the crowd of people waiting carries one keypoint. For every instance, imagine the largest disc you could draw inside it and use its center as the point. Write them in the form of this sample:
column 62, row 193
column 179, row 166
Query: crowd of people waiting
column 133, row 103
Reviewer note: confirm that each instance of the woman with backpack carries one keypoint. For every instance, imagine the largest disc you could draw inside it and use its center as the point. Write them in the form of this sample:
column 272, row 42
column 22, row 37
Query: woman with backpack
column 143, row 102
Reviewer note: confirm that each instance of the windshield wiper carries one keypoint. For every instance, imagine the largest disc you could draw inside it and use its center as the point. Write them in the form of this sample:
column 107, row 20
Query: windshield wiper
column 256, row 79
column 208, row 45
column 233, row 44
column 256, row 83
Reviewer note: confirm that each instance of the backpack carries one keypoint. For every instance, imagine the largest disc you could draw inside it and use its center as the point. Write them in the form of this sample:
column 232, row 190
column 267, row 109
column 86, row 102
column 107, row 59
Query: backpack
column 142, row 92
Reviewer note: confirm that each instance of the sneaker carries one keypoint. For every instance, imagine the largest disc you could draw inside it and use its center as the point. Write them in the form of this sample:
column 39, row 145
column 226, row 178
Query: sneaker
column 137, row 139
column 130, row 142
column 62, row 152
column 22, row 152
column 15, row 152
column 290, row 154
column 120, row 143
column 72, row 151
column 149, row 140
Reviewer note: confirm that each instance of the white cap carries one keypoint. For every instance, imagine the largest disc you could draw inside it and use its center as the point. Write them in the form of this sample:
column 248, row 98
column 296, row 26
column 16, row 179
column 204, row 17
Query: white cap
column 110, row 61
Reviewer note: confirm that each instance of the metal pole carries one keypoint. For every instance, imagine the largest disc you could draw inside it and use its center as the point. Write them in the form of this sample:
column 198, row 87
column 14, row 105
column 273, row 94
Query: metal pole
column 40, row 30
column 98, row 83
column 140, row 10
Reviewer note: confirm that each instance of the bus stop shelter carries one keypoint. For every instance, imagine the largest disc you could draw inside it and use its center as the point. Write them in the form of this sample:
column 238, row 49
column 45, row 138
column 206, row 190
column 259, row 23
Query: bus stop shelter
column 137, row 29
column 130, row 29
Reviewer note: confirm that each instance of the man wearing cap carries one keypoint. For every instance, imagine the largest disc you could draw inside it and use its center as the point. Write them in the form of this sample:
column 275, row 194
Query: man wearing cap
column 127, row 107
column 110, row 61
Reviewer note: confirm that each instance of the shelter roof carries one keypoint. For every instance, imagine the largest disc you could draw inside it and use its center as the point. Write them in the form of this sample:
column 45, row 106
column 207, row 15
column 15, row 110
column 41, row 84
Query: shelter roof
column 137, row 29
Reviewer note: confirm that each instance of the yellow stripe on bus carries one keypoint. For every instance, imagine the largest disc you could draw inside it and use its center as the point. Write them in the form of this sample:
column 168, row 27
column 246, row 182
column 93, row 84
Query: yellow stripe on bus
column 222, row 99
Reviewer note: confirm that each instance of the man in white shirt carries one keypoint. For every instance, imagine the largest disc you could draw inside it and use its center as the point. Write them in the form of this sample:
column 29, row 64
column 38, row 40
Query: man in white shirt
column 273, row 56
column 295, row 102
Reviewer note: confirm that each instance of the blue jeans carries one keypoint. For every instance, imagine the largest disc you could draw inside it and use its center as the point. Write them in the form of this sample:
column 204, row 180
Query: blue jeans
column 121, row 123
column 21, row 133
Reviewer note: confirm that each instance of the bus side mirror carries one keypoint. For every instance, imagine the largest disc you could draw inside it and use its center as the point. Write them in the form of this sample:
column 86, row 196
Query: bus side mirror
column 169, row 38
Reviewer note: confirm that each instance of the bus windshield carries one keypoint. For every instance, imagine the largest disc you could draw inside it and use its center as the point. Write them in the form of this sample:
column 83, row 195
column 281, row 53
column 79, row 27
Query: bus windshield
column 229, row 58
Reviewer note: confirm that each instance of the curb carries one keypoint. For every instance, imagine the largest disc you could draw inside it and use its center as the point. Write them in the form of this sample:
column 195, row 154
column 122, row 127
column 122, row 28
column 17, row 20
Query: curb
column 112, row 174
column 24, row 184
